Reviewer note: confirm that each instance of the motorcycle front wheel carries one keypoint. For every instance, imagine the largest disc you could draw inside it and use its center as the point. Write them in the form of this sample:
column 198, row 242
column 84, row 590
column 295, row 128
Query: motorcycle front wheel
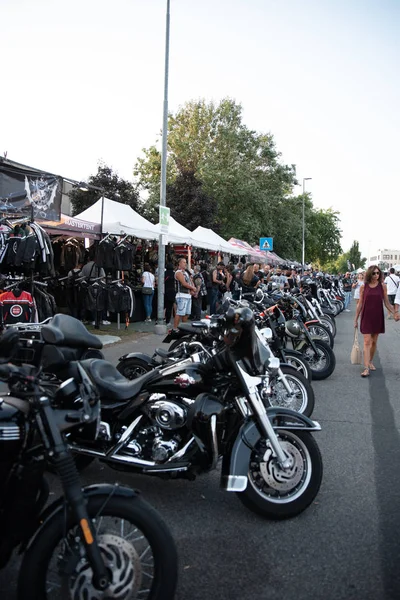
column 323, row 362
column 135, row 543
column 301, row 399
column 296, row 361
column 280, row 494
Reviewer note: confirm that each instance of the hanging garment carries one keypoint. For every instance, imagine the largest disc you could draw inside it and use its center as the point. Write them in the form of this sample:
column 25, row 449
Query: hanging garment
column 96, row 297
column 124, row 254
column 16, row 309
column 105, row 254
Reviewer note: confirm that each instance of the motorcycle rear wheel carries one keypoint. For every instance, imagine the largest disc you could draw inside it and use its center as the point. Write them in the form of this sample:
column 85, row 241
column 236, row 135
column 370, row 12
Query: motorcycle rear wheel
column 134, row 541
column 132, row 368
column 277, row 494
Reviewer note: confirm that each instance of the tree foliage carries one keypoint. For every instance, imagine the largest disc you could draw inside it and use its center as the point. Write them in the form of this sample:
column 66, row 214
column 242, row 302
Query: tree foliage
column 189, row 203
column 354, row 256
column 114, row 187
column 248, row 191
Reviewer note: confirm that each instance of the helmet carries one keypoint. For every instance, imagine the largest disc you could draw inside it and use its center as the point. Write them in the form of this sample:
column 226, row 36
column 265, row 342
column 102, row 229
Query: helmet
column 292, row 328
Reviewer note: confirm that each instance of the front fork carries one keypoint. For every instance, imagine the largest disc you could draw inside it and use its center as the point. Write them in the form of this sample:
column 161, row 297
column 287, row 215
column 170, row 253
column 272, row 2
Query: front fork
column 265, row 425
column 66, row 468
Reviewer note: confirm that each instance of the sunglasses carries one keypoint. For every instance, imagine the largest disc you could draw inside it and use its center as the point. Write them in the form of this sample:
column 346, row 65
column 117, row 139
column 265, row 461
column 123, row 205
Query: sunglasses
column 375, row 273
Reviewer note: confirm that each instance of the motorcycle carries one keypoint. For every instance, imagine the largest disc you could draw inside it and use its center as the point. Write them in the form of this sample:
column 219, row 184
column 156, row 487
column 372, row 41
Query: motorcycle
column 288, row 326
column 100, row 541
column 178, row 420
column 289, row 388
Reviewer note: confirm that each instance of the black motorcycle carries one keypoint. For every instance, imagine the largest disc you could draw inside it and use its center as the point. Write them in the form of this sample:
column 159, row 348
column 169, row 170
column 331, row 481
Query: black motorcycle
column 101, row 541
column 178, row 420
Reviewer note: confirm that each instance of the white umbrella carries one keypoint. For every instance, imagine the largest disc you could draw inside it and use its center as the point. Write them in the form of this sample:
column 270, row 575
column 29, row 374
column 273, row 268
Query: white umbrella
column 396, row 267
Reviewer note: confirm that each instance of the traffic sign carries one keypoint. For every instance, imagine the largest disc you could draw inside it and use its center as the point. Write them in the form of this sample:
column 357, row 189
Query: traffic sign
column 164, row 218
column 267, row 244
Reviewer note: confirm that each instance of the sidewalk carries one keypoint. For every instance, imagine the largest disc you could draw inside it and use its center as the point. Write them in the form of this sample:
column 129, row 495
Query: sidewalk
column 144, row 343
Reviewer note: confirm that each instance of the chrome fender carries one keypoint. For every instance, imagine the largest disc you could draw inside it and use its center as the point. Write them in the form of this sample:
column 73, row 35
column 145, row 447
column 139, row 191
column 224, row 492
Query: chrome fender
column 235, row 465
column 145, row 357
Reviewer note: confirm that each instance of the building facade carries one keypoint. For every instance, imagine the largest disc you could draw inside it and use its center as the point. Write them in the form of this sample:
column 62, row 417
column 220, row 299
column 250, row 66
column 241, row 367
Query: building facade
column 385, row 258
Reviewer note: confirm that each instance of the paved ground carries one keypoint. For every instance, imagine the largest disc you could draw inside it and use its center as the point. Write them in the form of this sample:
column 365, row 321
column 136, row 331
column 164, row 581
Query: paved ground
column 344, row 547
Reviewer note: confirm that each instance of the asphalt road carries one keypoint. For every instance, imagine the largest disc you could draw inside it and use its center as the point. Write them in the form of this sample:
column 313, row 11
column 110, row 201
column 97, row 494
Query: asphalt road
column 344, row 547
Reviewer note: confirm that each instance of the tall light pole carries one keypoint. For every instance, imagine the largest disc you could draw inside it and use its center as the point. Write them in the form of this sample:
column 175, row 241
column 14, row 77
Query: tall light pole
column 303, row 243
column 160, row 328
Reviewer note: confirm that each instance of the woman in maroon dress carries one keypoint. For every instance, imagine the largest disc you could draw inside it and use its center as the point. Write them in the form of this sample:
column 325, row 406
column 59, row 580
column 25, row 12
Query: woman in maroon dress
column 372, row 296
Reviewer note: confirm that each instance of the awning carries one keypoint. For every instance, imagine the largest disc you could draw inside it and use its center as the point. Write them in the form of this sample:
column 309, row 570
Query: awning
column 215, row 242
column 71, row 226
column 119, row 219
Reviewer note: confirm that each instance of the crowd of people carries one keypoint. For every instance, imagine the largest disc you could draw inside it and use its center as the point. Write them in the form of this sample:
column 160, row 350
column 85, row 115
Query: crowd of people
column 192, row 293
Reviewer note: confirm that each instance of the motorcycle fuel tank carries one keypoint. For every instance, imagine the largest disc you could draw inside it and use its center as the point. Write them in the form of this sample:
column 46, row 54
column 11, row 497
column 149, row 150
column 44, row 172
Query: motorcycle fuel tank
column 185, row 380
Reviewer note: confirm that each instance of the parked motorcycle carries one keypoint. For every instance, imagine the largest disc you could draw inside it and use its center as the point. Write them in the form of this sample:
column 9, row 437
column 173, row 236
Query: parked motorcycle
column 101, row 541
column 180, row 419
column 289, row 387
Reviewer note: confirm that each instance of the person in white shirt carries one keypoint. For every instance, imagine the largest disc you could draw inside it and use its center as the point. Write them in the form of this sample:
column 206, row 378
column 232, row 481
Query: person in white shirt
column 392, row 282
column 148, row 281
column 357, row 285
column 397, row 305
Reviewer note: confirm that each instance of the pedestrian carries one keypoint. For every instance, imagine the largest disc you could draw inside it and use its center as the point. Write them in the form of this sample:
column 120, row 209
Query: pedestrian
column 184, row 287
column 392, row 282
column 218, row 282
column 148, row 281
column 169, row 291
column 373, row 294
column 249, row 279
column 197, row 297
column 347, row 287
column 357, row 285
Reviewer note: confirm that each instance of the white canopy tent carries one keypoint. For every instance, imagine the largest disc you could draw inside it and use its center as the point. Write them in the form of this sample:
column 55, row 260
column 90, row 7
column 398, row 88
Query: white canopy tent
column 177, row 234
column 214, row 241
column 119, row 218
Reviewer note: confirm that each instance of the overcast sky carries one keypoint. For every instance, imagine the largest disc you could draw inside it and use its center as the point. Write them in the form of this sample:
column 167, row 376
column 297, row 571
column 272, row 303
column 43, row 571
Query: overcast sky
column 83, row 81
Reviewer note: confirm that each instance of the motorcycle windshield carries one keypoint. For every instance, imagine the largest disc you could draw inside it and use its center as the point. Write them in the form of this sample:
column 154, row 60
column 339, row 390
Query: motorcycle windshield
column 252, row 350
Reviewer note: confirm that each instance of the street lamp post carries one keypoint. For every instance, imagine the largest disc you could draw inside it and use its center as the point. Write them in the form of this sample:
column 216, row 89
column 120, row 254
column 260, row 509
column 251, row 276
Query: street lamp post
column 160, row 327
column 303, row 237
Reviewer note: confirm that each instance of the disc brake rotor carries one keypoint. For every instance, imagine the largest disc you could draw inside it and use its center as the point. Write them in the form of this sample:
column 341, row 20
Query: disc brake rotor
column 277, row 478
column 123, row 564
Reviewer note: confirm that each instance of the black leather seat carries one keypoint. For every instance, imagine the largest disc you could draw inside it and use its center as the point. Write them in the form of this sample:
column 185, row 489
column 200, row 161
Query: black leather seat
column 69, row 332
column 189, row 328
column 111, row 385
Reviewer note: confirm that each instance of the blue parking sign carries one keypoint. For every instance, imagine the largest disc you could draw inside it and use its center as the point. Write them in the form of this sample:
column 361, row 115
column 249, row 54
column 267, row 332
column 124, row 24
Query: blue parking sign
column 267, row 244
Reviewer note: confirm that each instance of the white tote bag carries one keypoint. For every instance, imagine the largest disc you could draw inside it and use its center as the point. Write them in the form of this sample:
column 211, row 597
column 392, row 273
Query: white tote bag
column 356, row 354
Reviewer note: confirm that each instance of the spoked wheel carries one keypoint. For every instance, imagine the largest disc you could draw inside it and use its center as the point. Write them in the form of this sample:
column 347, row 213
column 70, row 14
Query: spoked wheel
column 277, row 493
column 132, row 368
column 135, row 544
column 320, row 331
column 301, row 399
column 299, row 363
column 323, row 362
column 330, row 323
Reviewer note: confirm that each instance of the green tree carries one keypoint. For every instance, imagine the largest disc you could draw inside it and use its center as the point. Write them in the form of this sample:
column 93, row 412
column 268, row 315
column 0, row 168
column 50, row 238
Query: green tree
column 189, row 204
column 354, row 256
column 239, row 168
column 322, row 239
column 114, row 187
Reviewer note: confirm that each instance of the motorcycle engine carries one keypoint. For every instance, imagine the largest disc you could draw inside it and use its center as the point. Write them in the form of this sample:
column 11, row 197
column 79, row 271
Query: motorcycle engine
column 167, row 414
column 160, row 440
